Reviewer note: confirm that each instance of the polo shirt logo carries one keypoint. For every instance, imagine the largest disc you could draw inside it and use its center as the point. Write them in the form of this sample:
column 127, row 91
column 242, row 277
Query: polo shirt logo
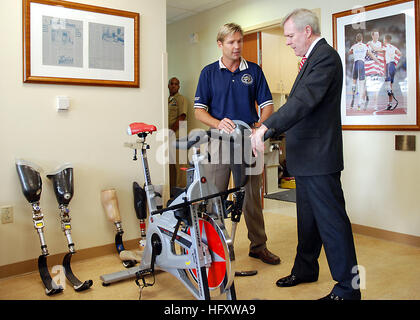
column 247, row 79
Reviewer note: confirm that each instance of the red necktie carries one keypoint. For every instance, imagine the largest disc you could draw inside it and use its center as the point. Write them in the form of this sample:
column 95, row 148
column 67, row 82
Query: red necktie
column 302, row 62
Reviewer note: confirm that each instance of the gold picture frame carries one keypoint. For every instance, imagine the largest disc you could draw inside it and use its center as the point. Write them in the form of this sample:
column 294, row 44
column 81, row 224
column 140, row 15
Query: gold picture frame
column 387, row 85
column 78, row 44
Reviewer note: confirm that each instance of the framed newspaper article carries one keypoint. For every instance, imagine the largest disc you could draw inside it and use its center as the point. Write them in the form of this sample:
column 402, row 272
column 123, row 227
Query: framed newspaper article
column 379, row 47
column 71, row 43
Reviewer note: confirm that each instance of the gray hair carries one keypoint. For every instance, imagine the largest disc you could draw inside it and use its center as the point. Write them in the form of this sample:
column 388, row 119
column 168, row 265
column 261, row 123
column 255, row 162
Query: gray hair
column 228, row 29
column 302, row 18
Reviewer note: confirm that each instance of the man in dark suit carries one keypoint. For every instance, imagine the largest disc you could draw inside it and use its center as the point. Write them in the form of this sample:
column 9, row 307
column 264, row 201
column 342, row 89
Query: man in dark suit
column 312, row 122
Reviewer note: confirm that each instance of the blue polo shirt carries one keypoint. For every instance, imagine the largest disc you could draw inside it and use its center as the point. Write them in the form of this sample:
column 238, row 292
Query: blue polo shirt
column 226, row 94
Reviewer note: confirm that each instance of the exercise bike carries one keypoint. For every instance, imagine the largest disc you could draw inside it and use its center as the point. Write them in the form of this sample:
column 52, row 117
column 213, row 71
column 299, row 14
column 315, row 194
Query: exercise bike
column 188, row 238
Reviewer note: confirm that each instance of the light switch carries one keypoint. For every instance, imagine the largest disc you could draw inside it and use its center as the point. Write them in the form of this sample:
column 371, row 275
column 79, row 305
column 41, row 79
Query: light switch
column 63, row 103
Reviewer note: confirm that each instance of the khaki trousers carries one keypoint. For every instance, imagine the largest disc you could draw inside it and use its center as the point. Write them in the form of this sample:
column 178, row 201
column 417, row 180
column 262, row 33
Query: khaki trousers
column 219, row 175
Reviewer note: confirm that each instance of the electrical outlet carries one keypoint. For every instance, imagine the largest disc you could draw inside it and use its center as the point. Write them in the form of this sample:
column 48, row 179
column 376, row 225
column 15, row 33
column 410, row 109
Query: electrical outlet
column 6, row 213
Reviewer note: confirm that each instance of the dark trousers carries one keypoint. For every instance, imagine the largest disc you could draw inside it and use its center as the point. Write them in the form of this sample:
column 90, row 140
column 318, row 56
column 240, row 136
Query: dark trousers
column 322, row 220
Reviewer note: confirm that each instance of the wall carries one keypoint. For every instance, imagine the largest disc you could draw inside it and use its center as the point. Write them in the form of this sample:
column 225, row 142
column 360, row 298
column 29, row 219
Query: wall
column 380, row 184
column 280, row 64
column 90, row 136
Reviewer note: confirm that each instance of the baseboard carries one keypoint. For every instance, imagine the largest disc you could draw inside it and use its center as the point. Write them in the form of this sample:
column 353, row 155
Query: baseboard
column 56, row 259
column 387, row 235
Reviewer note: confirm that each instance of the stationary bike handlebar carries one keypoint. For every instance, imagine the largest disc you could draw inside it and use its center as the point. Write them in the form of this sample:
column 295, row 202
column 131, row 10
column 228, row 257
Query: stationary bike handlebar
column 187, row 203
column 269, row 133
column 188, row 142
column 197, row 135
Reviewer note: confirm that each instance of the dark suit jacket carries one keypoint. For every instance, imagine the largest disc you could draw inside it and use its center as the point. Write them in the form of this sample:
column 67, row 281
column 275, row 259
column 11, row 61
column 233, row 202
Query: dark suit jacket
column 311, row 116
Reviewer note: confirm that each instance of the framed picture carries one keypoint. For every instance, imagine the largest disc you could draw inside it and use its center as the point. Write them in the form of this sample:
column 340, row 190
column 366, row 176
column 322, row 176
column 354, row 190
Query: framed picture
column 379, row 47
column 71, row 43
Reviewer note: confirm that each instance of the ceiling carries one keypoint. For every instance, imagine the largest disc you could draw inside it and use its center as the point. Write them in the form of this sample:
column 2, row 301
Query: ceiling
column 181, row 9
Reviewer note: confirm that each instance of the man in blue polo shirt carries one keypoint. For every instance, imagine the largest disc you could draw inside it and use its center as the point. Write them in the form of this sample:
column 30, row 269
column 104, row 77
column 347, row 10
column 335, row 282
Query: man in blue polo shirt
column 228, row 90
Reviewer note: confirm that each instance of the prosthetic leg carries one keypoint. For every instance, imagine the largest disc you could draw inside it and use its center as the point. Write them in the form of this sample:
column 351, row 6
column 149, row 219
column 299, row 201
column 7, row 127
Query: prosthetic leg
column 363, row 100
column 110, row 204
column 353, row 93
column 31, row 184
column 62, row 180
column 390, row 97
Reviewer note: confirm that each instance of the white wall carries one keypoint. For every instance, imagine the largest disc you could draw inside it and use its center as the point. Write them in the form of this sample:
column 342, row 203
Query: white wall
column 90, row 136
column 380, row 184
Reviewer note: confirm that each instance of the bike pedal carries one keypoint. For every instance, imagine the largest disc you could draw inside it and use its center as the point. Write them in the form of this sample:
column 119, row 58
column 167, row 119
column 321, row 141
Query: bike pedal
column 142, row 274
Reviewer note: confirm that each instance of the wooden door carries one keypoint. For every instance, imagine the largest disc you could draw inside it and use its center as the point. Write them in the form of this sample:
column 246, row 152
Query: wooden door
column 252, row 52
column 252, row 47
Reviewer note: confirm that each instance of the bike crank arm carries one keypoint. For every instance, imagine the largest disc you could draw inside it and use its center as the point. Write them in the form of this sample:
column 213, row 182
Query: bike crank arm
column 77, row 284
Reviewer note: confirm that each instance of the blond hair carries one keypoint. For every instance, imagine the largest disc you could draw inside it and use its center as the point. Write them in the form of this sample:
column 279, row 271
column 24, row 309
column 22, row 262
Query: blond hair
column 228, row 29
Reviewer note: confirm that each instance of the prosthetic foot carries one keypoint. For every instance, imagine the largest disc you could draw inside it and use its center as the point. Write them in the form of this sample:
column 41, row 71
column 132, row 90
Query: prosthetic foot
column 31, row 184
column 110, row 204
column 62, row 180
column 353, row 92
column 391, row 94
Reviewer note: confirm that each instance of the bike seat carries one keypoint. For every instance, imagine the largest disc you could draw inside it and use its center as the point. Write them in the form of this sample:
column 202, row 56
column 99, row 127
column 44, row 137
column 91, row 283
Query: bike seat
column 140, row 127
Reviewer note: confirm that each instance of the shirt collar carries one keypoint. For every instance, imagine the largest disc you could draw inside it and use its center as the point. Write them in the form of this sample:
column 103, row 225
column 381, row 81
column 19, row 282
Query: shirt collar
column 312, row 46
column 242, row 66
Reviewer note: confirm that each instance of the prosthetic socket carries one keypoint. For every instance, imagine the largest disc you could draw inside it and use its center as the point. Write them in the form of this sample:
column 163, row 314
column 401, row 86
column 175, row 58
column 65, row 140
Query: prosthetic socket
column 110, row 204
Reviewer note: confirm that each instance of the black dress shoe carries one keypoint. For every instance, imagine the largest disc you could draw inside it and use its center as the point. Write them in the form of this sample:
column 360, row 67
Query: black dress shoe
column 332, row 297
column 291, row 281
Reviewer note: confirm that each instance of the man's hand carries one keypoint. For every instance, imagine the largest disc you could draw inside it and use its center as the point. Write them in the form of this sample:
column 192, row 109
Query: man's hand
column 226, row 125
column 257, row 139
column 175, row 126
